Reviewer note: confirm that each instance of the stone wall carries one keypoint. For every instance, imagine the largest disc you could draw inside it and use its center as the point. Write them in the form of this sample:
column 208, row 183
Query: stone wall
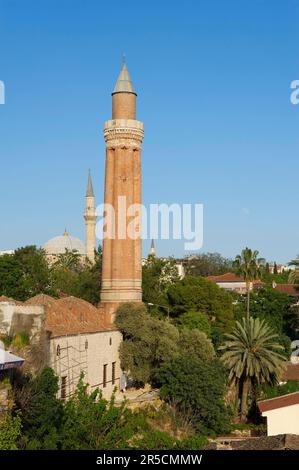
column 88, row 353
column 17, row 318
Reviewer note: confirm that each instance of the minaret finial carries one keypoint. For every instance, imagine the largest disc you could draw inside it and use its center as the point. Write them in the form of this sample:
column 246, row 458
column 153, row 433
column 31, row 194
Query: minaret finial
column 124, row 58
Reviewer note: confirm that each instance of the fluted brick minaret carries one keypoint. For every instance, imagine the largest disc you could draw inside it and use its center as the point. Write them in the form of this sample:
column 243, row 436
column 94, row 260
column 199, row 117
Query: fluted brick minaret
column 90, row 221
column 121, row 271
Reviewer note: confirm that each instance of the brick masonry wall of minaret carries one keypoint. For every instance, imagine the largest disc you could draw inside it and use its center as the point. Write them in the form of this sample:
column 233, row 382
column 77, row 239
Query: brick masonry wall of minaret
column 121, row 271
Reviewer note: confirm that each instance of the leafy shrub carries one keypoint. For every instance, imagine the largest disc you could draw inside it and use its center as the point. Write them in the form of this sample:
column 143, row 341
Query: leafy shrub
column 10, row 430
column 197, row 388
column 268, row 391
column 194, row 320
column 21, row 340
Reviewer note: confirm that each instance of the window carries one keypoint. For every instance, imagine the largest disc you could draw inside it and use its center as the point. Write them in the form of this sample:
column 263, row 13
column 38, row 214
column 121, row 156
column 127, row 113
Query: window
column 63, row 388
column 113, row 372
column 110, row 341
column 104, row 375
column 58, row 350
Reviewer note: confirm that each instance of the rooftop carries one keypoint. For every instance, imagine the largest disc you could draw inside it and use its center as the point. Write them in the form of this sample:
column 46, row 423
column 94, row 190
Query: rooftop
column 279, row 402
column 69, row 315
column 59, row 245
column 292, row 372
column 227, row 277
column 290, row 289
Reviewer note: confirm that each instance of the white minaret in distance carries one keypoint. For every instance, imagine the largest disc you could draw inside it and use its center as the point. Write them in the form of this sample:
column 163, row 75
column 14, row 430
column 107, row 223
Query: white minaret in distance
column 90, row 221
column 152, row 249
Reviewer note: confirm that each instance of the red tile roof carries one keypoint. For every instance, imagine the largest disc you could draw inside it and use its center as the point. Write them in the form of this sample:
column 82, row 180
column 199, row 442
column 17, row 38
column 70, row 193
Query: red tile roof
column 227, row 277
column 292, row 372
column 279, row 402
column 3, row 298
column 70, row 315
column 290, row 289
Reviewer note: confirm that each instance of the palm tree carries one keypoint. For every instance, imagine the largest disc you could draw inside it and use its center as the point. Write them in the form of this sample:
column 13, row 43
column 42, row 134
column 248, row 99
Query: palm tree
column 294, row 275
column 69, row 260
column 253, row 356
column 248, row 265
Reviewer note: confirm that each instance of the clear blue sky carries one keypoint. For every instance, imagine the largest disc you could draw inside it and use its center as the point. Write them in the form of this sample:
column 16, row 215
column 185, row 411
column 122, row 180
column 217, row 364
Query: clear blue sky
column 213, row 81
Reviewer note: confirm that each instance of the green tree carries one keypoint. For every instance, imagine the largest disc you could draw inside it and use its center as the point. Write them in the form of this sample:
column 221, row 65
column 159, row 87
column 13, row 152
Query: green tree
column 25, row 273
column 11, row 277
column 207, row 264
column 248, row 265
column 201, row 295
column 41, row 411
column 276, row 308
column 10, row 430
column 35, row 271
column 89, row 283
column 194, row 320
column 69, row 260
column 269, row 391
column 269, row 278
column 157, row 275
column 90, row 422
column 197, row 389
column 195, row 343
column 253, row 356
column 71, row 276
column 294, row 274
column 65, row 281
column 148, row 342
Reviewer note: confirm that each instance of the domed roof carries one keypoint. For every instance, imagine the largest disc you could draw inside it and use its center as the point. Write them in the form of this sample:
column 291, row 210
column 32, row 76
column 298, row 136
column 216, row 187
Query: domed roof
column 58, row 245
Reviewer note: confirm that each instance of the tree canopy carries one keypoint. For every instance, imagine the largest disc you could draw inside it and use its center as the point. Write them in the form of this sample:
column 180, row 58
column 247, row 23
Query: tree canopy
column 28, row 272
column 157, row 275
column 149, row 343
column 207, row 264
column 197, row 388
column 201, row 295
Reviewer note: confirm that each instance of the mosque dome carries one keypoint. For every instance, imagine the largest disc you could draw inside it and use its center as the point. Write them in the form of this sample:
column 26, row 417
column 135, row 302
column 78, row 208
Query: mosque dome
column 58, row 245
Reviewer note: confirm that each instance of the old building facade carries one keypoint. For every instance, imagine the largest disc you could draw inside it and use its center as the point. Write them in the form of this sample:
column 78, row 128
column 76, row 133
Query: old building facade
column 70, row 335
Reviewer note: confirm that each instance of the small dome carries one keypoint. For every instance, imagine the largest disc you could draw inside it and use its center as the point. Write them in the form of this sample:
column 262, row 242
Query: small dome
column 58, row 245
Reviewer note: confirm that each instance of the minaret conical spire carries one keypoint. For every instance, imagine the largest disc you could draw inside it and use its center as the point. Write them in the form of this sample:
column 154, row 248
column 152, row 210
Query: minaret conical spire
column 124, row 83
column 89, row 192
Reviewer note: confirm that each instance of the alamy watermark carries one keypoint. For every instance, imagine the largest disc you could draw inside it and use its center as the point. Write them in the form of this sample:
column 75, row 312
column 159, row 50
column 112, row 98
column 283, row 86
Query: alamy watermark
column 158, row 221
column 2, row 92
column 294, row 98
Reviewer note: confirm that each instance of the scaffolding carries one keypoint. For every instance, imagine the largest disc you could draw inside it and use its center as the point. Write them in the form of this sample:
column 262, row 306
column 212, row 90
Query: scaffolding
column 71, row 362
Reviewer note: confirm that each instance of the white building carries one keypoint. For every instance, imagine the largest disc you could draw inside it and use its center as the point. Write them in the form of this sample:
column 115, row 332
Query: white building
column 232, row 282
column 282, row 414
column 71, row 335
column 6, row 252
